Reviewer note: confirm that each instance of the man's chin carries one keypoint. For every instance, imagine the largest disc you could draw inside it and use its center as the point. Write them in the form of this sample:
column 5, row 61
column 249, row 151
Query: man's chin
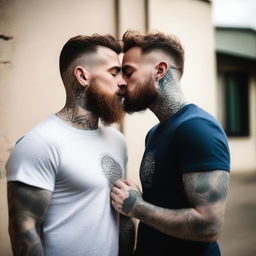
column 130, row 107
column 118, row 117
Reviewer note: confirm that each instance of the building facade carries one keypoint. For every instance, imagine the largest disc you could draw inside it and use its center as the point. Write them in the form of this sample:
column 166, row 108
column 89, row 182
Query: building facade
column 236, row 76
column 32, row 33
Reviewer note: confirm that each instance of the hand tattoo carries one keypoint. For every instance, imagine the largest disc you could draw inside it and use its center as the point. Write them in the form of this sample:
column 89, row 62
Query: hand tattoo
column 130, row 201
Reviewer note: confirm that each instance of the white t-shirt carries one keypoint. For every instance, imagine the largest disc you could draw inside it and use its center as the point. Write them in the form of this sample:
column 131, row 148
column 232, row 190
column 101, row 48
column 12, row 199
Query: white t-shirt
column 79, row 167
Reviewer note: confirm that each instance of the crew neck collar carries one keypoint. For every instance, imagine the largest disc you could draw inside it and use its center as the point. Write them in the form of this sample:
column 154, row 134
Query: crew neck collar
column 75, row 129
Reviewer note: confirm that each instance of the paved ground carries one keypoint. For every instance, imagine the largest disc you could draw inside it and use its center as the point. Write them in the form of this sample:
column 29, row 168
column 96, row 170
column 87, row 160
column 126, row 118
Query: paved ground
column 239, row 233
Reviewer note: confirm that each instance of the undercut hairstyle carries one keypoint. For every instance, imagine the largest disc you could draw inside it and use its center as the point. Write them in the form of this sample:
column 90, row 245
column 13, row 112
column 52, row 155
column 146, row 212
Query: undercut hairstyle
column 169, row 44
column 78, row 45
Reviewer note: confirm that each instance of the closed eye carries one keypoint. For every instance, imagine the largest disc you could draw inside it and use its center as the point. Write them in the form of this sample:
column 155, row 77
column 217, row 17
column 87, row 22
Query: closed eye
column 127, row 71
column 127, row 74
column 114, row 71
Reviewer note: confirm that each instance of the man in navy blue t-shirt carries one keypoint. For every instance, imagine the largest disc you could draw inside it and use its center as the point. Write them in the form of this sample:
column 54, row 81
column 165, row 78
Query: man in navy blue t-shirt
column 185, row 167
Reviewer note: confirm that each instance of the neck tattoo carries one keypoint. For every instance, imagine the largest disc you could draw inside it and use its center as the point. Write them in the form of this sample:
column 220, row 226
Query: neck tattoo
column 171, row 98
column 83, row 121
column 75, row 112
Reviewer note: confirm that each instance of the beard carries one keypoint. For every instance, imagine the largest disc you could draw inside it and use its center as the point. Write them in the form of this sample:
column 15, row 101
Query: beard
column 106, row 106
column 142, row 97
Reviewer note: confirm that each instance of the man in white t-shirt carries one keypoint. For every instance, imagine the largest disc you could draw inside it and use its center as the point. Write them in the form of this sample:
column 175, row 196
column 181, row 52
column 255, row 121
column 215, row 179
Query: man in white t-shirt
column 61, row 172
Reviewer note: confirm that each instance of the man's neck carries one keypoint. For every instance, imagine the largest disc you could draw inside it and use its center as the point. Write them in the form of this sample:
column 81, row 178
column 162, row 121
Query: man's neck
column 171, row 98
column 168, row 103
column 79, row 117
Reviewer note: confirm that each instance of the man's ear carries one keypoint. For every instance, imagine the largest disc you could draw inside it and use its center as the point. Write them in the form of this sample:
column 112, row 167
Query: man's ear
column 160, row 70
column 81, row 75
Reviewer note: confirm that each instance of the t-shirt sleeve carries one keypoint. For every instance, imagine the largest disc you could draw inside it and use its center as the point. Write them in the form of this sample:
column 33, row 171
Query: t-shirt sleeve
column 202, row 146
column 149, row 135
column 33, row 162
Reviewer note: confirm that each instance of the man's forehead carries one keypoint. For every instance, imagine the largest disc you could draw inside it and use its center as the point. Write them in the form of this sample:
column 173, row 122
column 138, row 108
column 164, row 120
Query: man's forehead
column 106, row 54
column 132, row 55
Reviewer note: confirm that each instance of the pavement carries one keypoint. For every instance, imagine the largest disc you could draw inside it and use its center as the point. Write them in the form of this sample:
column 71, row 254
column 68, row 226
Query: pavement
column 238, row 236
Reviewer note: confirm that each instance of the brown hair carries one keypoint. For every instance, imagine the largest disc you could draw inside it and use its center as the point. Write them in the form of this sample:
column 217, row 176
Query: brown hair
column 78, row 45
column 170, row 44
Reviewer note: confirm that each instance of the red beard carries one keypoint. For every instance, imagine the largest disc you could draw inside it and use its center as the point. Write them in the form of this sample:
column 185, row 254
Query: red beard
column 106, row 106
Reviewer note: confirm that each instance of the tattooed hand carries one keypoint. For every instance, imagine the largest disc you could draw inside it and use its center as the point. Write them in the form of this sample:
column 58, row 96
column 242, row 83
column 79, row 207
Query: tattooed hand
column 125, row 196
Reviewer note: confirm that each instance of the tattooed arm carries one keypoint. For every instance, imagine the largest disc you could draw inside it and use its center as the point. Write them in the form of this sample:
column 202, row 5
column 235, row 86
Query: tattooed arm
column 206, row 191
column 27, row 208
column 126, row 236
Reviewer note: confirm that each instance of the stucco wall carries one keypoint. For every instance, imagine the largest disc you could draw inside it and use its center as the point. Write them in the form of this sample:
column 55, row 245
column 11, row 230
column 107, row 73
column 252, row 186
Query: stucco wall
column 30, row 85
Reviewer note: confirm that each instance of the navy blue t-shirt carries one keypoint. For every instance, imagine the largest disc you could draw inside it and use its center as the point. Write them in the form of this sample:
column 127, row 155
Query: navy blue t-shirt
column 189, row 141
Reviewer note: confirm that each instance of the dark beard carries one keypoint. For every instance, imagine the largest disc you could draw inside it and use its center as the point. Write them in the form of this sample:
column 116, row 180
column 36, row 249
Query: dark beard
column 107, row 107
column 143, row 96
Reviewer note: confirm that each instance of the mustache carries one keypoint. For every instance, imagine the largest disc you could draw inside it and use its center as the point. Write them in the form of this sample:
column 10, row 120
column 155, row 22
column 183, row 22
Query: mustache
column 121, row 91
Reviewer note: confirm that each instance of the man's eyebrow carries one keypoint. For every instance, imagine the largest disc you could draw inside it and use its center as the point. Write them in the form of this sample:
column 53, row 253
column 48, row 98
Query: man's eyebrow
column 124, row 68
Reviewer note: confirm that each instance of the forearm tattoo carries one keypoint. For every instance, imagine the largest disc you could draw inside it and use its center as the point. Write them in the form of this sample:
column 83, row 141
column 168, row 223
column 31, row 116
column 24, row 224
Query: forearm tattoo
column 130, row 201
column 28, row 243
column 27, row 208
column 204, row 190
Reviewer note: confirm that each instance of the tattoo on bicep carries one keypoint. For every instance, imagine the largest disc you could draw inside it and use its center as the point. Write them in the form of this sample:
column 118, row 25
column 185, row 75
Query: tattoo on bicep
column 27, row 208
column 206, row 187
column 31, row 200
column 130, row 201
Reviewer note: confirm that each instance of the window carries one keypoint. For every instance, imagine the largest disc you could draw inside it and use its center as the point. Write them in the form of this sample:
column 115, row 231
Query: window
column 236, row 104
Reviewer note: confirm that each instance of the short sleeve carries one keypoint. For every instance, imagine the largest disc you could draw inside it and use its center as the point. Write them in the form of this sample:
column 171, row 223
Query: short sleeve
column 33, row 162
column 202, row 146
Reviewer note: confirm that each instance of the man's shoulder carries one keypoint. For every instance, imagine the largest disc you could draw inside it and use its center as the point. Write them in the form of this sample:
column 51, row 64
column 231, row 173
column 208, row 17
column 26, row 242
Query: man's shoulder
column 113, row 132
column 196, row 115
column 40, row 133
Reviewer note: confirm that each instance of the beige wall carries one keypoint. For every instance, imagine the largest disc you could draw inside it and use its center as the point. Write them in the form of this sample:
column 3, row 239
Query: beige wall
column 30, row 85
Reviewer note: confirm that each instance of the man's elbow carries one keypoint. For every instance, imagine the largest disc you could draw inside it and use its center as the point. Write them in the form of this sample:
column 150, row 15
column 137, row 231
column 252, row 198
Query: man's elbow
column 212, row 232
column 211, row 238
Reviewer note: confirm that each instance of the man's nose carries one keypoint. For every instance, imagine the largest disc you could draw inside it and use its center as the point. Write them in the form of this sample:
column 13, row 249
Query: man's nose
column 122, row 83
